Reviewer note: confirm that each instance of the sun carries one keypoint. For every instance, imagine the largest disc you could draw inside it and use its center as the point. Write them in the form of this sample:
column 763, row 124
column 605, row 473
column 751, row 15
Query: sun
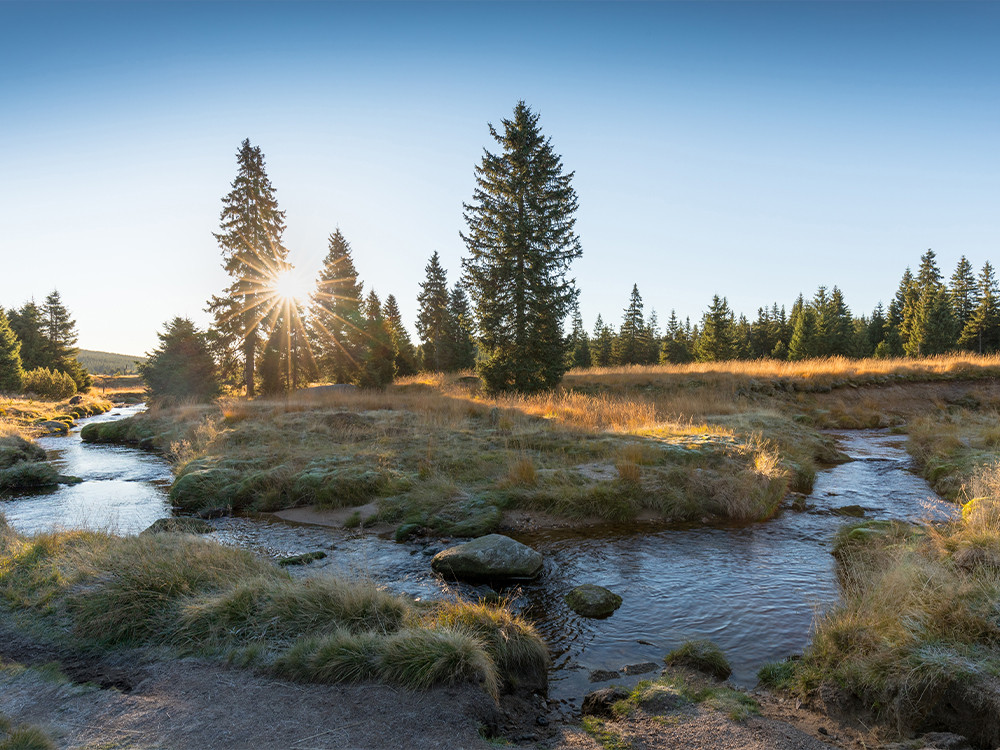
column 290, row 285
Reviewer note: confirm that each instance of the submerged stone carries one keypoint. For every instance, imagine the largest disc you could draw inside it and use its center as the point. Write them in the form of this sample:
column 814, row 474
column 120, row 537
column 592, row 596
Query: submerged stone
column 855, row 511
column 304, row 559
column 488, row 557
column 589, row 600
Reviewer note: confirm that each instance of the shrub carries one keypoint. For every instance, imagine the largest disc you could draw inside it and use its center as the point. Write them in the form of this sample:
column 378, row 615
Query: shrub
column 49, row 384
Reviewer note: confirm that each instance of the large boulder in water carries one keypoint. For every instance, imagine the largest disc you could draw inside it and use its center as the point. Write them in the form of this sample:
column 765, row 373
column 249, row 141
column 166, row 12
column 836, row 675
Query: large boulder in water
column 493, row 556
column 593, row 601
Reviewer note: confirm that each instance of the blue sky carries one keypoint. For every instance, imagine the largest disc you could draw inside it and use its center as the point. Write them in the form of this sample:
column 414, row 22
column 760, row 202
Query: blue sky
column 750, row 150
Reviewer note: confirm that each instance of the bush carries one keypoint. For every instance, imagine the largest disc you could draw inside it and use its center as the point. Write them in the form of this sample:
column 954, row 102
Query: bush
column 182, row 368
column 49, row 384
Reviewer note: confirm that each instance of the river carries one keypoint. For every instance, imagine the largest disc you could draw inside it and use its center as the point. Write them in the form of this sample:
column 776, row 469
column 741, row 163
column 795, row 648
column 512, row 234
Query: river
column 753, row 589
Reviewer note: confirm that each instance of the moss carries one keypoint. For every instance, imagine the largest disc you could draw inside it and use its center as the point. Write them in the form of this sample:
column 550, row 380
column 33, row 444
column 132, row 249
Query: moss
column 14, row 449
column 304, row 559
column 703, row 656
column 28, row 476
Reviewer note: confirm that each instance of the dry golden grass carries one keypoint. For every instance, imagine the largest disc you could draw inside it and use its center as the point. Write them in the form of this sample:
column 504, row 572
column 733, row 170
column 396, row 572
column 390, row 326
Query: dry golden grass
column 21, row 412
column 959, row 365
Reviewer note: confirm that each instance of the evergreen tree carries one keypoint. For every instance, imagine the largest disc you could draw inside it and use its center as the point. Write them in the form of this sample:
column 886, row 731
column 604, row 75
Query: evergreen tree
column 579, row 355
column 715, row 340
column 27, row 325
column 741, row 338
column 963, row 293
column 676, row 348
column 805, row 341
column 653, row 338
column 336, row 323
column 836, row 326
column 11, row 371
column 377, row 365
column 928, row 326
column 521, row 240
column 59, row 347
column 604, row 344
column 876, row 326
column 982, row 332
column 404, row 354
column 461, row 346
column 181, row 367
column 285, row 361
column 251, row 228
column 434, row 325
column 632, row 345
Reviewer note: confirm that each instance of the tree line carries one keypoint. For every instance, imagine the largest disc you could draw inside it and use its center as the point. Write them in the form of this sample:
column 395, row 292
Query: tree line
column 38, row 351
column 505, row 314
column 926, row 316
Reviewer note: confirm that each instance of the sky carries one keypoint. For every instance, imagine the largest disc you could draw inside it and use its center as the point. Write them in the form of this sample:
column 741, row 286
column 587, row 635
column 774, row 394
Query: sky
column 751, row 150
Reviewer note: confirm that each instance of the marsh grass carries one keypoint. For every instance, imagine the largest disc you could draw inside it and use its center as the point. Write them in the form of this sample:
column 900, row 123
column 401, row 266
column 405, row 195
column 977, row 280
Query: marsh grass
column 918, row 614
column 192, row 594
column 21, row 413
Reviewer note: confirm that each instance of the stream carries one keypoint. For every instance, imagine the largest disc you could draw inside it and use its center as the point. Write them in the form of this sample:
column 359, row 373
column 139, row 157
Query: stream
column 753, row 589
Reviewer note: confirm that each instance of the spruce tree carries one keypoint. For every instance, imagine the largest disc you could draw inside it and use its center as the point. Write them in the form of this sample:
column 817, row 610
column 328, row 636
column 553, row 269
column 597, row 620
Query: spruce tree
column 434, row 325
column 805, row 342
column 404, row 354
column 632, row 345
column 715, row 340
column 181, row 367
column 27, row 325
column 579, row 355
column 336, row 323
column 928, row 325
column 521, row 240
column 837, row 325
column 963, row 293
column 377, row 366
column 251, row 228
column 461, row 346
column 676, row 347
column 982, row 333
column 59, row 345
column 11, row 371
column 602, row 351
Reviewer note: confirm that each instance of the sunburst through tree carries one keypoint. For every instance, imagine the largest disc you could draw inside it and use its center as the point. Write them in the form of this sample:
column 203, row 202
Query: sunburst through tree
column 260, row 306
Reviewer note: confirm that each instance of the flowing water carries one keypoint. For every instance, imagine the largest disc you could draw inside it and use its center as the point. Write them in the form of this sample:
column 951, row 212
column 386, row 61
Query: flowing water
column 754, row 589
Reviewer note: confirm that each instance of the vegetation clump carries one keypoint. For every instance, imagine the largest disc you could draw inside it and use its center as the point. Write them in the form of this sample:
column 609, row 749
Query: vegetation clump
column 181, row 368
column 703, row 656
column 181, row 591
column 916, row 633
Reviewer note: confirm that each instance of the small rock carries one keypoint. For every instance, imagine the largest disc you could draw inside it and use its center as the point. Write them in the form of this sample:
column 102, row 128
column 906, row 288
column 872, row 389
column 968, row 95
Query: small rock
column 76, row 400
column 304, row 559
column 643, row 668
column 542, row 721
column 599, row 702
column 854, row 511
column 945, row 741
column 603, row 675
column 589, row 600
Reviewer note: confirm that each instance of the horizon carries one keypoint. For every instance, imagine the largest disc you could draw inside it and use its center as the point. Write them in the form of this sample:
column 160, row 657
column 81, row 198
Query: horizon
column 754, row 150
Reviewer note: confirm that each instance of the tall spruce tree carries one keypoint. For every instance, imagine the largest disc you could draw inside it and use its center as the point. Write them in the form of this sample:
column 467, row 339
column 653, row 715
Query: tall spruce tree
column 806, row 340
column 928, row 326
column 963, row 293
column 377, row 363
column 632, row 345
column 404, row 354
column 250, row 238
column 982, row 333
column 59, row 341
column 462, row 345
column 336, row 323
column 28, row 326
column 676, row 347
column 11, row 371
column 715, row 339
column 602, row 351
column 521, row 240
column 579, row 353
column 434, row 325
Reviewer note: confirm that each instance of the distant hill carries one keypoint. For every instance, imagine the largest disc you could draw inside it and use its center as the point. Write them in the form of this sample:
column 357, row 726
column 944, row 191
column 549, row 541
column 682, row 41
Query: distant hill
column 107, row 363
